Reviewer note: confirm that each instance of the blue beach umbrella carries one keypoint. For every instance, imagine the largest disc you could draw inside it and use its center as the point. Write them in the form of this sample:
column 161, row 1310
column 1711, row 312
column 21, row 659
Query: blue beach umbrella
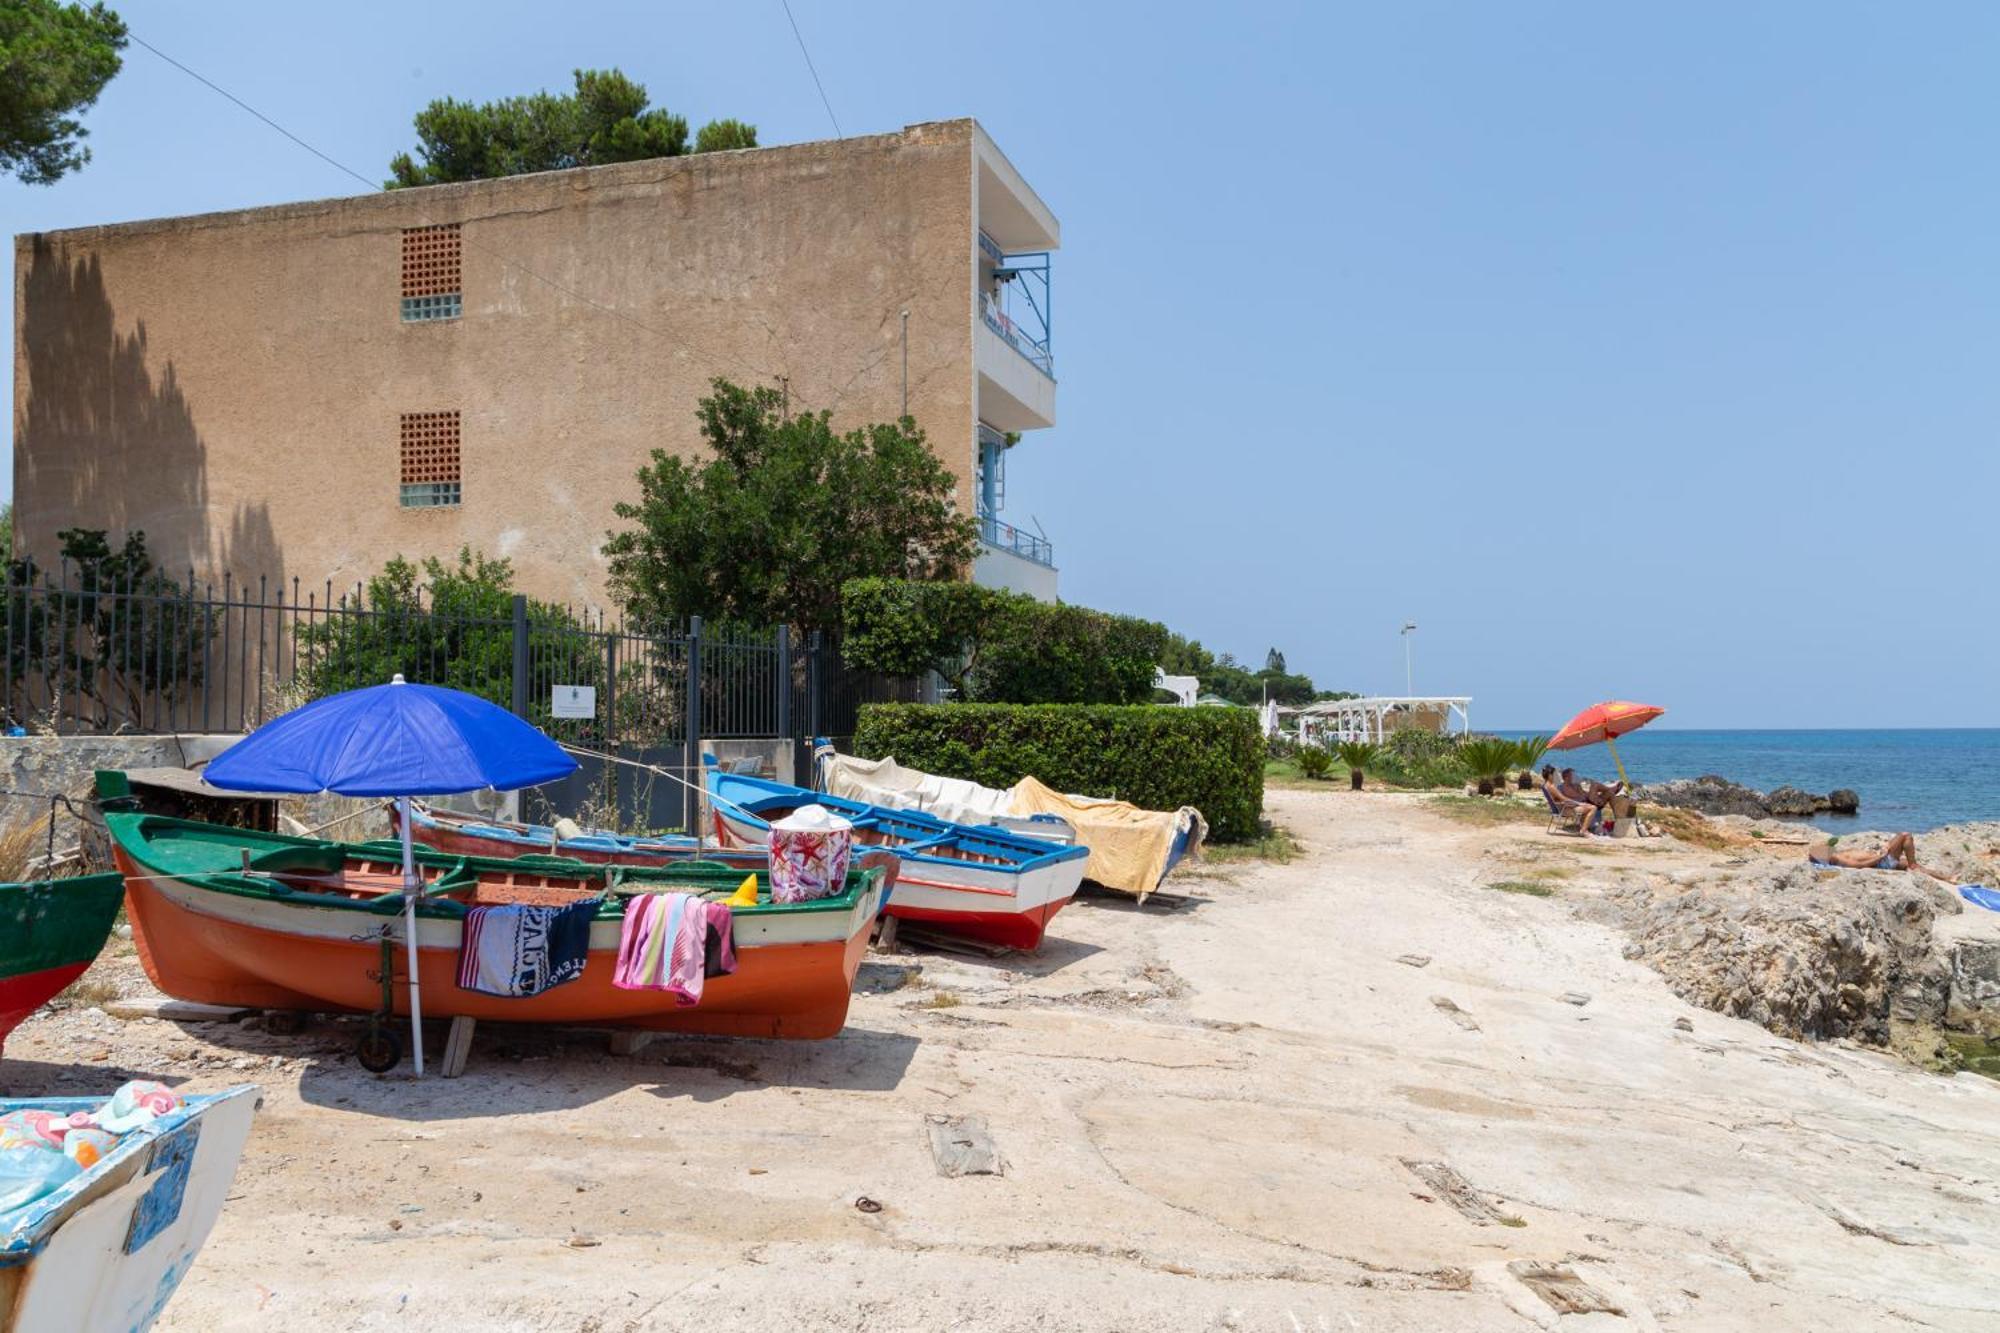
column 398, row 740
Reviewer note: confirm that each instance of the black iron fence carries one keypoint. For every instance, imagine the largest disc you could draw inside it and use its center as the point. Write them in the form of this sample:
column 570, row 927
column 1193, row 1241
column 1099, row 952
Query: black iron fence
column 86, row 654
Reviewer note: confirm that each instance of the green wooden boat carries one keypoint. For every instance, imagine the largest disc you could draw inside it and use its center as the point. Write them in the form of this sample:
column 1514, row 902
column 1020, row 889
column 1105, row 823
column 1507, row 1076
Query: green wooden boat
column 50, row 931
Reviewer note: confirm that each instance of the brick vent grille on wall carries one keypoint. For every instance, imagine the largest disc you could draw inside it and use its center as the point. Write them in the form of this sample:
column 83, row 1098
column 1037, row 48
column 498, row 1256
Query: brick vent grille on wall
column 430, row 459
column 431, row 272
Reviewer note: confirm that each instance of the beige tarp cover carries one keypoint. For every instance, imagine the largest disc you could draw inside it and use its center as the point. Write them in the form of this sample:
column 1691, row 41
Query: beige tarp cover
column 1128, row 846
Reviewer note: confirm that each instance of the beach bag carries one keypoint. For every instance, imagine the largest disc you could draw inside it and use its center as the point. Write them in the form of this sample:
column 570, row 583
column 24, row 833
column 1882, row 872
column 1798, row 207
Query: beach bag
column 809, row 852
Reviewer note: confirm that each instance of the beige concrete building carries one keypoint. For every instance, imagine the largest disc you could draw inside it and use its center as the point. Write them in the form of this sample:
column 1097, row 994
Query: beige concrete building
column 303, row 391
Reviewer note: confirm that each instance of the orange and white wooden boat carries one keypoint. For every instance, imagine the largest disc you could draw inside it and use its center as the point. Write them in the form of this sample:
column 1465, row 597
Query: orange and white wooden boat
column 236, row 917
column 986, row 883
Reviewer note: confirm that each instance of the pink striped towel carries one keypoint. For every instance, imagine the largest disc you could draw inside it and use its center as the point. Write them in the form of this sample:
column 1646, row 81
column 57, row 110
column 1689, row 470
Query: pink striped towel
column 664, row 944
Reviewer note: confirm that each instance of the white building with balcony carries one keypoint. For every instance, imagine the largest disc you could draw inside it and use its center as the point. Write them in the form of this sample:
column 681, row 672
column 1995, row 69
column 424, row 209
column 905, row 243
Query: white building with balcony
column 1015, row 366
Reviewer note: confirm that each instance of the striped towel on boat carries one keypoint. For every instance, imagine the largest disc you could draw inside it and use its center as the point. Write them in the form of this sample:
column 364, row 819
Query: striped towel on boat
column 668, row 942
column 517, row 951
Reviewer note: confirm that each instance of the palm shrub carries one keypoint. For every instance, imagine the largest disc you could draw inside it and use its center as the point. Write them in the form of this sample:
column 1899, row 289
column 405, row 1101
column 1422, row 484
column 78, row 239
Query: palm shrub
column 1487, row 759
column 1415, row 757
column 1314, row 762
column 1357, row 755
column 1528, row 752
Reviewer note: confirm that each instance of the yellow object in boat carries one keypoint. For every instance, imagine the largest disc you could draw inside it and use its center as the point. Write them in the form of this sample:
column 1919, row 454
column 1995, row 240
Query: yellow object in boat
column 746, row 893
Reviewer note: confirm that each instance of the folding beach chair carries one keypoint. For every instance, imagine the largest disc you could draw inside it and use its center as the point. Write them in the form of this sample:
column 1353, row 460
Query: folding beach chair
column 1564, row 822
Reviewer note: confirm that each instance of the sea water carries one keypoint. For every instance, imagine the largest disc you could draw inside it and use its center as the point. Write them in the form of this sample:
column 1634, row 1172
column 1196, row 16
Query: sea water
column 1914, row 779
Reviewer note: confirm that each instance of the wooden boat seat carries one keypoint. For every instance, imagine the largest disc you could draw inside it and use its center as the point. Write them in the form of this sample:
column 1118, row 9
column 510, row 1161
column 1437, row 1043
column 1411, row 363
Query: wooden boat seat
column 492, row 893
column 372, row 883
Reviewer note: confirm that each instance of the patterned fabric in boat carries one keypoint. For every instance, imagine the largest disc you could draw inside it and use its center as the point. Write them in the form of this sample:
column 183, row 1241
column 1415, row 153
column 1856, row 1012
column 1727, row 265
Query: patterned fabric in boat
column 518, row 950
column 674, row 942
column 809, row 851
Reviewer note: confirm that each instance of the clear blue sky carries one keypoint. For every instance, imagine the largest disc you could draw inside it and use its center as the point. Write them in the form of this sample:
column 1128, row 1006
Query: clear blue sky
column 1638, row 353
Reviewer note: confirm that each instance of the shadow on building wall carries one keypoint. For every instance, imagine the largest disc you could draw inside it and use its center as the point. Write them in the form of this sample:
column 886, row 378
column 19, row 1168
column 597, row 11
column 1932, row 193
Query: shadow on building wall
column 101, row 441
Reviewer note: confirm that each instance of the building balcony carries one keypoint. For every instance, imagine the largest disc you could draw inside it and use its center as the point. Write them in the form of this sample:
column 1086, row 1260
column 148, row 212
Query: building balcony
column 1014, row 301
column 1015, row 560
column 1004, row 536
column 1011, row 347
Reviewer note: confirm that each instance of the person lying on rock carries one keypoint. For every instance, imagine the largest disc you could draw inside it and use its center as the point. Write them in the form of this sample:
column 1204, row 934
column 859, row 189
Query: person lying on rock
column 1900, row 854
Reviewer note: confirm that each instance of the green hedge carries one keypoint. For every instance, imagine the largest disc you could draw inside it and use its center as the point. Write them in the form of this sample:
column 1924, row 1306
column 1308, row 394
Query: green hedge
column 1158, row 757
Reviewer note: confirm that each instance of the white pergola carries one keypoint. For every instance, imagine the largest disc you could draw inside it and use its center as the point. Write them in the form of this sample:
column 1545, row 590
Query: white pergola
column 1368, row 719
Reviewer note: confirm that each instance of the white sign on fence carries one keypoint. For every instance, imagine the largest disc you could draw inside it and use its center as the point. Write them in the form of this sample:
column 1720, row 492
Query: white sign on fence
column 573, row 701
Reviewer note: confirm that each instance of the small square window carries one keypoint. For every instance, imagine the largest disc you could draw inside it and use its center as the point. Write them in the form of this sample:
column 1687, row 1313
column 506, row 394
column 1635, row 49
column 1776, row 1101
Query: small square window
column 430, row 475
column 417, row 309
column 432, row 273
column 429, row 494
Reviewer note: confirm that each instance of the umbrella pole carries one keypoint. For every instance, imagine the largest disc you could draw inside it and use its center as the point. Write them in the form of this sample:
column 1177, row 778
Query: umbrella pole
column 1612, row 745
column 410, row 887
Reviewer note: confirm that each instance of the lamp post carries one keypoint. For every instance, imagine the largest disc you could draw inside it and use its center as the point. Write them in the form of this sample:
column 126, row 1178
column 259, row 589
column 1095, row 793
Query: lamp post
column 1409, row 676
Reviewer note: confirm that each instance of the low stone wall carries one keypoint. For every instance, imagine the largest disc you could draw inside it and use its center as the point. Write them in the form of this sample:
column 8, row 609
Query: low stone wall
column 37, row 767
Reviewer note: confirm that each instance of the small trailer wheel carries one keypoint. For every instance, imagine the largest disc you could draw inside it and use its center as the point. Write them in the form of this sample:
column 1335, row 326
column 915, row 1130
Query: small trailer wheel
column 379, row 1050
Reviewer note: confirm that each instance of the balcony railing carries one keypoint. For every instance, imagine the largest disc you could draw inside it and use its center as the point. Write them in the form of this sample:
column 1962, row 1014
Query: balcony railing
column 1037, row 352
column 1022, row 281
column 1004, row 536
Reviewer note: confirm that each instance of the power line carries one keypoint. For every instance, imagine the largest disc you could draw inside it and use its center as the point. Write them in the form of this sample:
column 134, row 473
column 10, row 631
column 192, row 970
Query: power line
column 339, row 166
column 837, row 133
column 378, row 187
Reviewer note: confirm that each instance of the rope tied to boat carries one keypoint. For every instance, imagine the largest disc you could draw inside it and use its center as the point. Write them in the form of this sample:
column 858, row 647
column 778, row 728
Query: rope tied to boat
column 668, row 773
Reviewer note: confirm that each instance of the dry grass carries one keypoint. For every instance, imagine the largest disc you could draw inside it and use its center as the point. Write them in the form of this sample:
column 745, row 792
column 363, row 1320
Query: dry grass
column 1530, row 888
column 1284, row 775
column 1274, row 843
column 1686, row 825
column 1487, row 811
column 943, row 999
column 87, row 992
column 21, row 848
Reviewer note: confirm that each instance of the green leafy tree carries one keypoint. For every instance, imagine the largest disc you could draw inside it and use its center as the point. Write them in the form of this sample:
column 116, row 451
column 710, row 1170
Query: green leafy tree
column 785, row 511
column 1314, row 762
column 900, row 627
column 605, row 120
column 994, row 646
column 1186, row 657
column 54, row 61
column 106, row 632
column 1274, row 662
column 7, row 530
column 449, row 625
column 1069, row 654
column 719, row 136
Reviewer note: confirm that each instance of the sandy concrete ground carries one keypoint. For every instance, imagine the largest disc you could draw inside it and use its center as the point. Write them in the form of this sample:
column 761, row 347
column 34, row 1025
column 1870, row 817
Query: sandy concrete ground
column 1243, row 1112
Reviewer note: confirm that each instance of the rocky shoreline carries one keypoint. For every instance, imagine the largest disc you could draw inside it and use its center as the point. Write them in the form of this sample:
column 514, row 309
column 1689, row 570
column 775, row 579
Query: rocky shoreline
column 1712, row 794
column 1887, row 958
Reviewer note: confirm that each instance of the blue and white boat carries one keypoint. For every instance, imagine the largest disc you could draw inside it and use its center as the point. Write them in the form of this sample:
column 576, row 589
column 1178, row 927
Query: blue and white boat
column 107, row 1248
column 479, row 835
column 981, row 881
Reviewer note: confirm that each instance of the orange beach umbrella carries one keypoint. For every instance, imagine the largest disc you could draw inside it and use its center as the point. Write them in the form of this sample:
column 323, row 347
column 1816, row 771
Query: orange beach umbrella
column 1605, row 722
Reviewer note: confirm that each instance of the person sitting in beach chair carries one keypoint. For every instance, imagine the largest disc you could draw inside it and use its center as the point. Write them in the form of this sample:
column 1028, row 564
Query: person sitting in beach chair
column 1899, row 854
column 1574, row 813
column 1611, row 801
